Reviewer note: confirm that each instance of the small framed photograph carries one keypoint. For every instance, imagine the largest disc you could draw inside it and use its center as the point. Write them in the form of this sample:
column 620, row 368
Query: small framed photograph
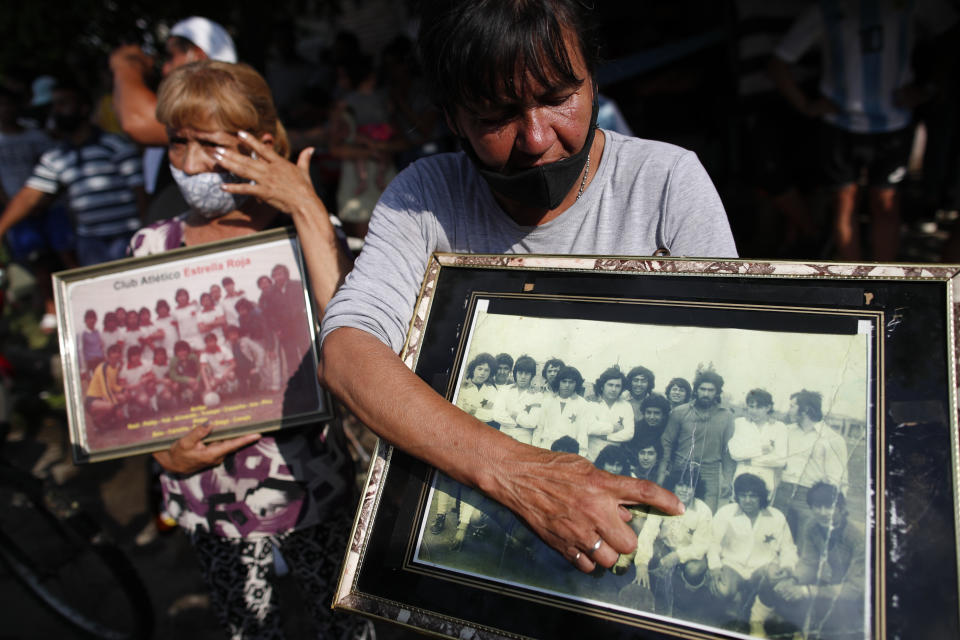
column 223, row 333
column 804, row 412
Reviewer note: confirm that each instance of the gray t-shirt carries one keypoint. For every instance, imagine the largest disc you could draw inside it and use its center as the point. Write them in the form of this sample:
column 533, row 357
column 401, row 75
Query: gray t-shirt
column 646, row 195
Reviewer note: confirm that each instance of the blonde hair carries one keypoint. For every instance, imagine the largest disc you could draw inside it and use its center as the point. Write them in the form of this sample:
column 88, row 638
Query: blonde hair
column 234, row 96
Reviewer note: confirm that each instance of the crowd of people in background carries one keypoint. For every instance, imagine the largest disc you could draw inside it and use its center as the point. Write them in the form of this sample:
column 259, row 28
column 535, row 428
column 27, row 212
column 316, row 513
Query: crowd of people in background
column 761, row 490
column 766, row 538
column 368, row 115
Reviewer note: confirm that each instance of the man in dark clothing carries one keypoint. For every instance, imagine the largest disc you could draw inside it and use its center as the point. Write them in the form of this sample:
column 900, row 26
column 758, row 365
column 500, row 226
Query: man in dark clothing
column 697, row 434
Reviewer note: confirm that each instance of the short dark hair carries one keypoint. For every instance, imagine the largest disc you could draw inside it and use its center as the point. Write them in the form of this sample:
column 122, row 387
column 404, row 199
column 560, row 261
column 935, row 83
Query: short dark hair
column 134, row 350
column 712, row 377
column 210, row 337
column 645, row 439
column 571, row 373
column 824, row 494
column 115, row 348
column 683, row 384
column 505, row 358
column 525, row 364
column 565, row 444
column 180, row 345
column 760, row 397
column 809, row 403
column 686, row 475
column 88, row 313
column 472, row 50
column 658, row 401
column 611, row 373
column 748, row 482
column 163, row 302
column 646, row 373
column 483, row 358
column 614, row 454
column 227, row 280
column 553, row 362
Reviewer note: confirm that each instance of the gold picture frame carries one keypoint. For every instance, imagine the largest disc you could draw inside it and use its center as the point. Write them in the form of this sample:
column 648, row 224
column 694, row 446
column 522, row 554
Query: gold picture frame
column 141, row 404
column 876, row 342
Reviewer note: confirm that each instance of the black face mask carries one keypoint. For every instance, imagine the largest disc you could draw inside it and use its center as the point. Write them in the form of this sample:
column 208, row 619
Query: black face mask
column 542, row 187
column 67, row 122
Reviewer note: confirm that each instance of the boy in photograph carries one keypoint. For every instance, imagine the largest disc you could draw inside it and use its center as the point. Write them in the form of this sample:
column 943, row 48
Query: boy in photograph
column 104, row 398
column 139, row 383
column 640, row 383
column 504, row 367
column 815, row 453
column 612, row 420
column 152, row 335
column 759, row 442
column 249, row 357
column 825, row 598
column 164, row 322
column 166, row 389
column 185, row 374
column 218, row 367
column 111, row 332
column 671, row 556
column 185, row 317
column 517, row 408
column 550, row 369
column 132, row 335
column 229, row 301
column 751, row 547
column 565, row 411
column 91, row 343
column 653, row 417
column 210, row 318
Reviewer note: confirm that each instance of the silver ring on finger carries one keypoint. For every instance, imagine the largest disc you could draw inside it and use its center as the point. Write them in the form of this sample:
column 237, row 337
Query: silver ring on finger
column 596, row 545
column 576, row 558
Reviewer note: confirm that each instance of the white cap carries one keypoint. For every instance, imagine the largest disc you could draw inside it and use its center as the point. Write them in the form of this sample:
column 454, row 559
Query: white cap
column 209, row 36
column 42, row 90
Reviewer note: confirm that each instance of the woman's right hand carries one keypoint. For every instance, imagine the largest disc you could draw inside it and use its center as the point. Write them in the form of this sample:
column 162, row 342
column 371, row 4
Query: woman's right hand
column 277, row 181
column 190, row 453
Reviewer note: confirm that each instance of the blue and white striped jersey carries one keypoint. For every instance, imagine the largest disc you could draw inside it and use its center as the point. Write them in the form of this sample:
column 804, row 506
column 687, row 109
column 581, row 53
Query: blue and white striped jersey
column 99, row 177
column 866, row 47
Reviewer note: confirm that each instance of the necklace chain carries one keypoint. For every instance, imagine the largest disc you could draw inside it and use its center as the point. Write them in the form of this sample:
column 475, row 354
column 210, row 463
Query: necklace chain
column 583, row 183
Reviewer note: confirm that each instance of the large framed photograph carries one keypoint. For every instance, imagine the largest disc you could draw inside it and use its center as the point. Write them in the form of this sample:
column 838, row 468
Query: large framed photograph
column 805, row 413
column 222, row 333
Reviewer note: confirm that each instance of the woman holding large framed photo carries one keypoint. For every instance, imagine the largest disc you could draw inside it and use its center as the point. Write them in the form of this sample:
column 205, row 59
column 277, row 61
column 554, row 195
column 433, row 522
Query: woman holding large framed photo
column 239, row 498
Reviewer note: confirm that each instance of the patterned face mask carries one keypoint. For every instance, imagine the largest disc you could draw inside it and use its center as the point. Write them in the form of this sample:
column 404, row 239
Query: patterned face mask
column 203, row 193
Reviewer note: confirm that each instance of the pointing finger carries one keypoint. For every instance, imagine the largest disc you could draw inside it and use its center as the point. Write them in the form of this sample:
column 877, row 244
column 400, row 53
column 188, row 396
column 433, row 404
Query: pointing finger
column 633, row 491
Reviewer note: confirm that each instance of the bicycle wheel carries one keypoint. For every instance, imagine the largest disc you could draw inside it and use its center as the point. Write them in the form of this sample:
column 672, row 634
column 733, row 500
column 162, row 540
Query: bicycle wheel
column 62, row 558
